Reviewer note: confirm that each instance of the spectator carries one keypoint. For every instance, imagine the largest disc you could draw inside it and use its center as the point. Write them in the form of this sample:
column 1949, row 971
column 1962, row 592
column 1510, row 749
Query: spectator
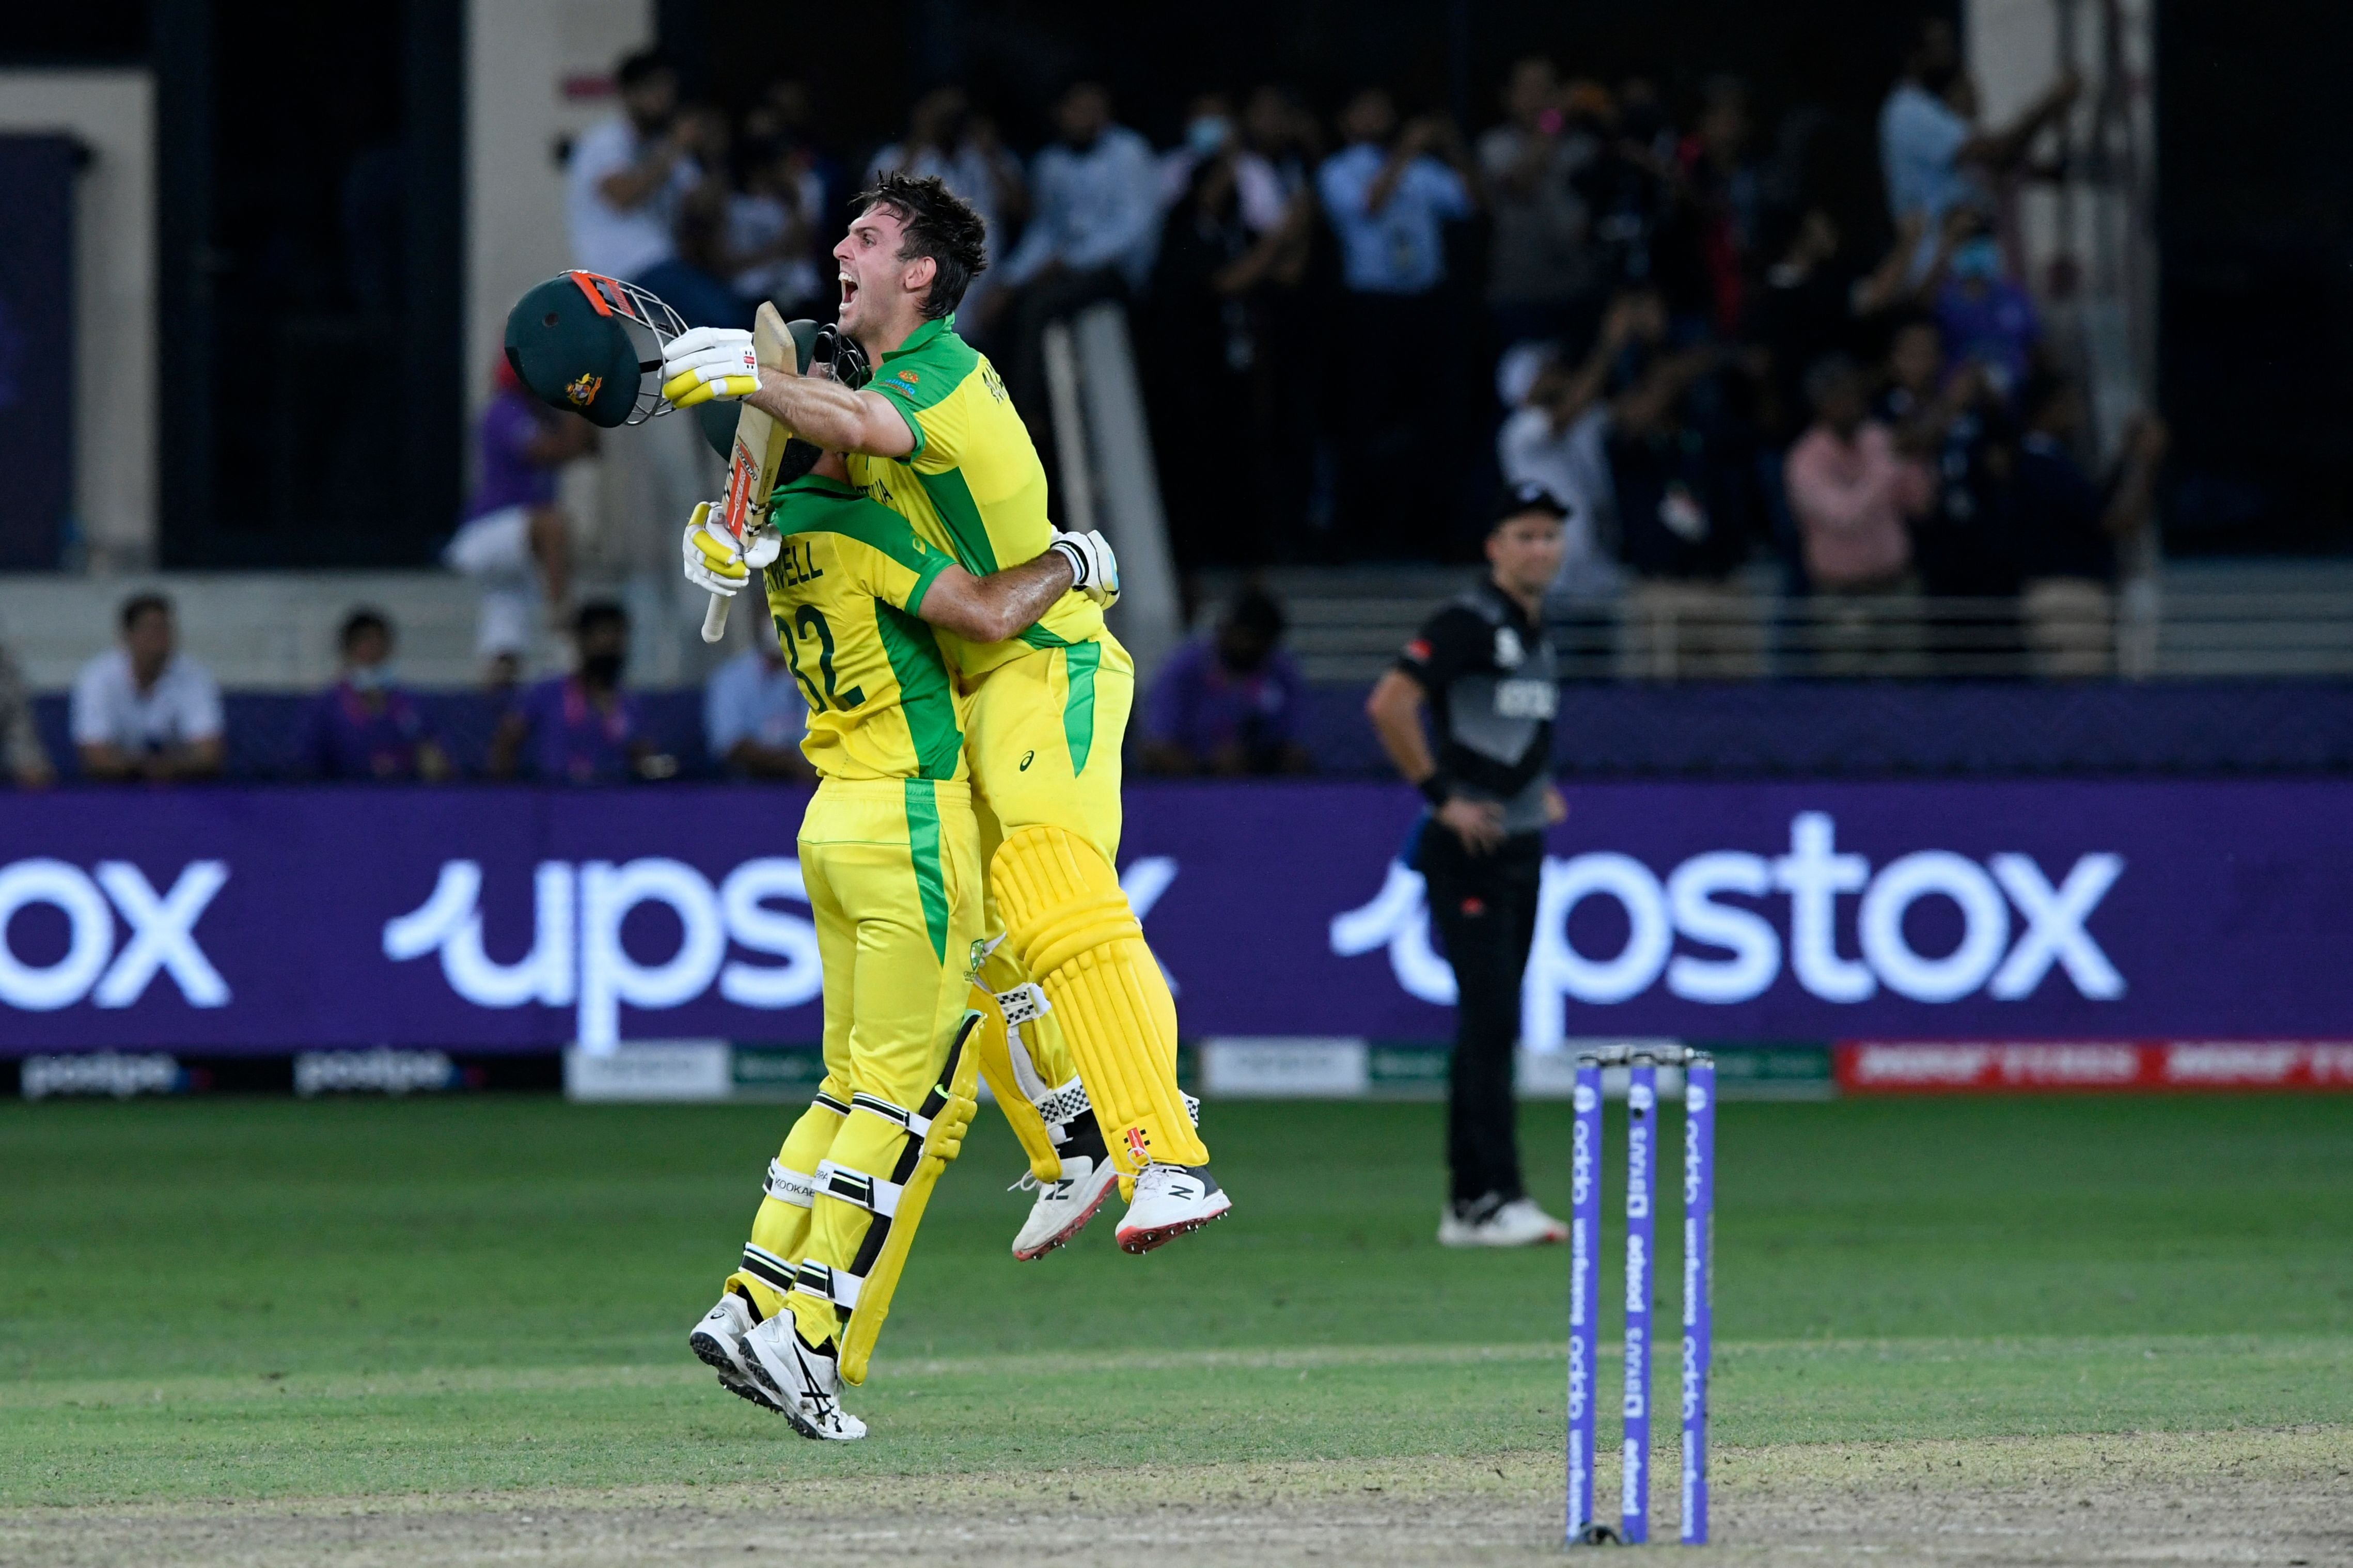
column 1558, row 439
column 754, row 717
column 1814, row 302
column 145, row 711
column 1543, row 276
column 20, row 743
column 1850, row 492
column 627, row 184
column 1233, row 703
column 515, row 541
column 2069, row 529
column 1276, row 167
column 1719, row 195
column 1216, row 385
column 770, row 249
column 947, row 142
column 1982, row 314
column 1931, row 153
column 1389, row 195
column 1209, row 132
column 1094, row 232
column 582, row 728
column 1964, row 546
column 1625, row 185
column 1686, row 520
column 366, row 726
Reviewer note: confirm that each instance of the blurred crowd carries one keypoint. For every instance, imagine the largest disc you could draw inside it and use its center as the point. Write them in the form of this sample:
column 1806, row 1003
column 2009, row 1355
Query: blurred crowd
column 1730, row 354
column 145, row 711
column 1801, row 407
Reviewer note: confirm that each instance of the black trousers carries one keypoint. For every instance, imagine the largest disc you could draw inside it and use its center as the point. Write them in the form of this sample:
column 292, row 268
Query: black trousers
column 1484, row 907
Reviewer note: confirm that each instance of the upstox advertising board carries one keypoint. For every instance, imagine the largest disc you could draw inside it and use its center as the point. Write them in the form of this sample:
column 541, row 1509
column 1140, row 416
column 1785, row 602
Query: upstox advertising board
column 291, row 919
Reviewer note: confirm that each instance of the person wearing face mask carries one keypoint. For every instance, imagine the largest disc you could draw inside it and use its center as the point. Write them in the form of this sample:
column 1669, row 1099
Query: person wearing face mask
column 582, row 728
column 366, row 726
column 1984, row 316
column 1208, row 130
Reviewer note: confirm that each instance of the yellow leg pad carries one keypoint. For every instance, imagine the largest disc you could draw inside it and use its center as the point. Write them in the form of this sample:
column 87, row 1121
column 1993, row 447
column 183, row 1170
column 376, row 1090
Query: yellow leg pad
column 872, row 1189
column 992, row 1043
column 780, row 1230
column 1072, row 928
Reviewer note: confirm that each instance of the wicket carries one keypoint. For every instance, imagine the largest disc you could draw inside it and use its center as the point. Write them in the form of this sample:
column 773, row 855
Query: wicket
column 1642, row 1062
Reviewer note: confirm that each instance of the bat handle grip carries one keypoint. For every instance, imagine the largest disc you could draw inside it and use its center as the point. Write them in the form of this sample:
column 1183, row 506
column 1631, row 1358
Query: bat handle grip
column 715, row 619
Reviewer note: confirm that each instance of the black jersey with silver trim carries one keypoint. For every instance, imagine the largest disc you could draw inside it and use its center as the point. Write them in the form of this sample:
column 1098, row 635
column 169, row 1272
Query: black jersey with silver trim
column 1494, row 688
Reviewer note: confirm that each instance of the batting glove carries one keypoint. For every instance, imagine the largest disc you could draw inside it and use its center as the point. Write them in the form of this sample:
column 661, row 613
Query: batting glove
column 715, row 562
column 709, row 362
column 1095, row 569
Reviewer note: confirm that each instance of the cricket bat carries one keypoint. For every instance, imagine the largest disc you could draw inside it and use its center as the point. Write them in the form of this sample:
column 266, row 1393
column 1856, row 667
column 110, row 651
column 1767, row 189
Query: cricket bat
column 759, row 448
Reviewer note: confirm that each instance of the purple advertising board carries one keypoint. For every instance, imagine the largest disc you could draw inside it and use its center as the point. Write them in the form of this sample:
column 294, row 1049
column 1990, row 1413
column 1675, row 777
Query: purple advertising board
column 271, row 919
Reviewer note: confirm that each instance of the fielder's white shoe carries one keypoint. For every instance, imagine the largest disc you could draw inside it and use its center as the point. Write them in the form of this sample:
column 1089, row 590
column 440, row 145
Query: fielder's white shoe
column 807, row 1382
column 1515, row 1224
column 1169, row 1200
column 718, row 1342
column 1063, row 1206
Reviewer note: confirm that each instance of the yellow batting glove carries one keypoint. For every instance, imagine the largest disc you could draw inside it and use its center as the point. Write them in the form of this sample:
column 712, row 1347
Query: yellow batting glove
column 715, row 562
column 709, row 362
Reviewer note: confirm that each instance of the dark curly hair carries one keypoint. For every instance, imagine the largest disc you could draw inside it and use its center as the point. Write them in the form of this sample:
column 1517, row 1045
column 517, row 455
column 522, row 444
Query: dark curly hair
column 938, row 225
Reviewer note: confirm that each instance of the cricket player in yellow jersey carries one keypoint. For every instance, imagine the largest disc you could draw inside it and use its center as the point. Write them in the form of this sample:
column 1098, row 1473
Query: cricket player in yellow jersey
column 935, row 438
column 889, row 855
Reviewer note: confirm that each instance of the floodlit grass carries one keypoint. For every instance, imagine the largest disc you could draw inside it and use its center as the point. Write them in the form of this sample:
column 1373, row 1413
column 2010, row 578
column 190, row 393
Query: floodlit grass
column 269, row 1299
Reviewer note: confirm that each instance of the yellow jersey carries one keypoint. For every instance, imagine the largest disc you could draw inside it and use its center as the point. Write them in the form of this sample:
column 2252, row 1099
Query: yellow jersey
column 973, row 485
column 844, row 593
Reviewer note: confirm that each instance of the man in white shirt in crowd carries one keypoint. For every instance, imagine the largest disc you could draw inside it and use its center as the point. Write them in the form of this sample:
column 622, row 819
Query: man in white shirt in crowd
column 144, row 710
column 1093, row 231
column 1932, row 152
column 628, row 176
column 754, row 716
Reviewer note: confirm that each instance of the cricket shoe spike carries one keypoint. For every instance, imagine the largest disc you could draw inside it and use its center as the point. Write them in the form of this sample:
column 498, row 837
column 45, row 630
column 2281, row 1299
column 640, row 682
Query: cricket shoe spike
column 1170, row 1200
column 718, row 1342
column 805, row 1382
column 1063, row 1206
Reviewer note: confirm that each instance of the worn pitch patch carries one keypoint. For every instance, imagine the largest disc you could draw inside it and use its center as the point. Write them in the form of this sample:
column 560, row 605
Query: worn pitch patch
column 2268, row 1496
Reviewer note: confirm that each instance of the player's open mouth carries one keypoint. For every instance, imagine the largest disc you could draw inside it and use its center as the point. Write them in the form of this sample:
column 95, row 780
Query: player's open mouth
column 849, row 289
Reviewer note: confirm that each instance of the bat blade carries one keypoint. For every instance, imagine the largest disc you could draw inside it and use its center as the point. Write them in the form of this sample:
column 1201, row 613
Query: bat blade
column 759, row 448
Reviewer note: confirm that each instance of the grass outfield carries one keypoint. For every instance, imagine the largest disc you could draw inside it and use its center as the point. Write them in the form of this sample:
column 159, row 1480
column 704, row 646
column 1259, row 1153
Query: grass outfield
column 274, row 1299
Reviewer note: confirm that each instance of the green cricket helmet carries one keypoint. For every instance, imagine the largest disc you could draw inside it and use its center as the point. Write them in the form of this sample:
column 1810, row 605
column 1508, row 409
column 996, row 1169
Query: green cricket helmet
column 592, row 345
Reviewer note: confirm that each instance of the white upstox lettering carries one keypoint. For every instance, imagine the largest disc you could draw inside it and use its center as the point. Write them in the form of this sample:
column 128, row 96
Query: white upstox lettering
column 163, row 930
column 1741, row 948
column 577, row 957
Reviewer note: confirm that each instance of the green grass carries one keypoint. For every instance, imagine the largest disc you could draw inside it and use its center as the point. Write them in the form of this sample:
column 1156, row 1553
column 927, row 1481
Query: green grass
column 261, row 1298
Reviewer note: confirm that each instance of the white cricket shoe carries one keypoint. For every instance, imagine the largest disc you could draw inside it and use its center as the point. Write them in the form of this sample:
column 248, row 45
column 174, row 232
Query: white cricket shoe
column 1519, row 1223
column 718, row 1342
column 1169, row 1200
column 1063, row 1206
column 805, row 1382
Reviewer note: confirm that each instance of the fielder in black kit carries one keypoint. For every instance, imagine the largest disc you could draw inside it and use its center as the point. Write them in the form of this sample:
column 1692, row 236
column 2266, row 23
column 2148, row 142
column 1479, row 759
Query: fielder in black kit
column 1485, row 670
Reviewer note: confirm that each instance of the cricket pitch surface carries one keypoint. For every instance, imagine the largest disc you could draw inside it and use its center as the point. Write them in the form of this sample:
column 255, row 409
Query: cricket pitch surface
column 2282, row 1496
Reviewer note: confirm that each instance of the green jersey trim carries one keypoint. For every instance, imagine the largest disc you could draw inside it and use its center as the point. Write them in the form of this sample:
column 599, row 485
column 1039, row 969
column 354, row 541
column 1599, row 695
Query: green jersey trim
column 952, row 499
column 926, row 695
column 926, row 369
column 1079, row 663
column 877, row 527
column 923, row 851
column 930, row 575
